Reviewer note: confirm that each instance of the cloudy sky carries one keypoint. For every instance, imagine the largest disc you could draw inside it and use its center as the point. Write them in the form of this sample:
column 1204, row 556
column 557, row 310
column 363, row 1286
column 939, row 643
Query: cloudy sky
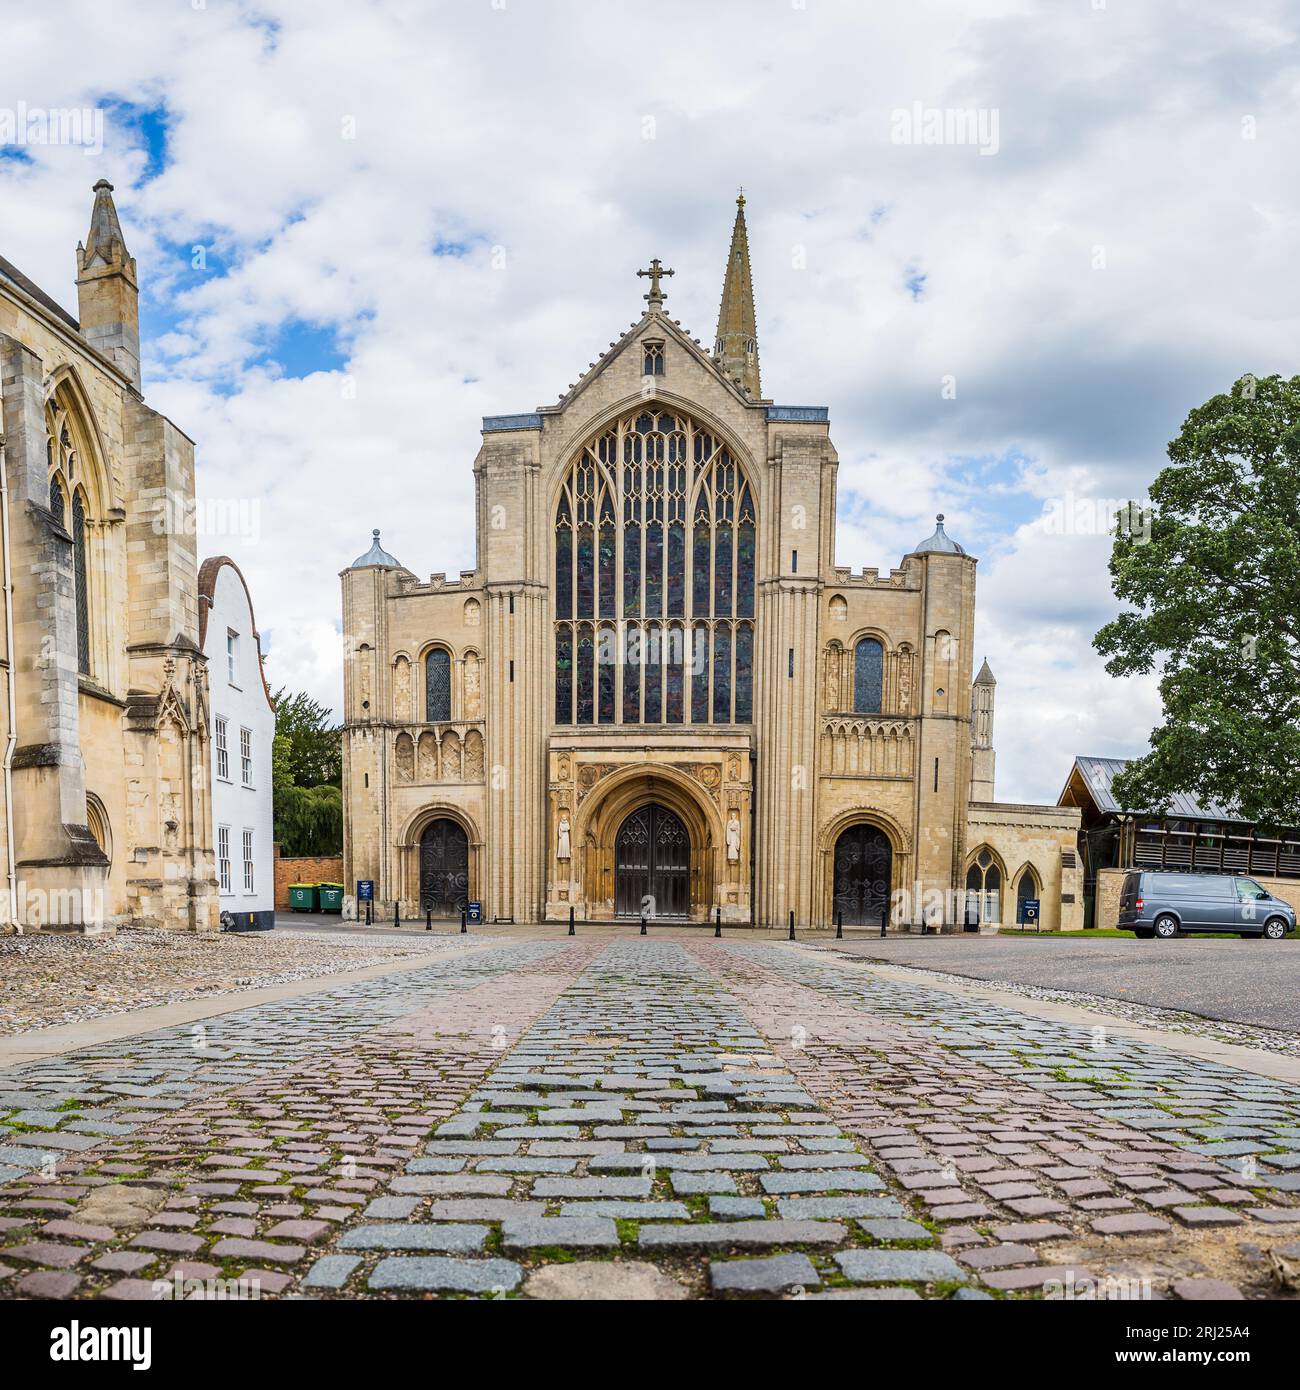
column 361, row 227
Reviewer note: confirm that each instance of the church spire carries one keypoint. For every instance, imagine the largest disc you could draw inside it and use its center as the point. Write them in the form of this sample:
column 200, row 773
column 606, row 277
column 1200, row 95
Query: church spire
column 108, row 295
column 737, row 342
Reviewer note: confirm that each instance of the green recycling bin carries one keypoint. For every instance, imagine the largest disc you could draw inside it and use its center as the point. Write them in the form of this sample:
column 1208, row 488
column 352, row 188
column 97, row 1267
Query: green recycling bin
column 331, row 897
column 304, row 897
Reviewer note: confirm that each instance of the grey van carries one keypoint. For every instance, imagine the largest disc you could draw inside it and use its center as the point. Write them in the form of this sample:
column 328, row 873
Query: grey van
column 1165, row 904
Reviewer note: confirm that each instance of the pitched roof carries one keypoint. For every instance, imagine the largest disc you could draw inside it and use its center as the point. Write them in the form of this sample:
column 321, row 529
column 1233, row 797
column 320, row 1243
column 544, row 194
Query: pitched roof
column 209, row 572
column 1099, row 773
column 10, row 272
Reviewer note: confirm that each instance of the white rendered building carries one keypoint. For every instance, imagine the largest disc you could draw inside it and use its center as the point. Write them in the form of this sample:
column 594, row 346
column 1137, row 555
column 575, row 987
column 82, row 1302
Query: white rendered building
column 242, row 728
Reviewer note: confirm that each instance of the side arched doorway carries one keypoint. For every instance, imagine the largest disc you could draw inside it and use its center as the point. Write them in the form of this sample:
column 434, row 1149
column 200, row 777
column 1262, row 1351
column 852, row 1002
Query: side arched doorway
column 652, row 864
column 863, row 875
column 444, row 868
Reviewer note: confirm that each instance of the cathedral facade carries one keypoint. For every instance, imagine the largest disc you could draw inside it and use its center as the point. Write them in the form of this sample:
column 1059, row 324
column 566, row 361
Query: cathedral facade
column 104, row 794
column 658, row 694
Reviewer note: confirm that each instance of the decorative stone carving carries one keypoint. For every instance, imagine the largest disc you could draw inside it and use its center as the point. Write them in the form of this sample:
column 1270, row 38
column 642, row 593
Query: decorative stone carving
column 562, row 837
column 733, row 835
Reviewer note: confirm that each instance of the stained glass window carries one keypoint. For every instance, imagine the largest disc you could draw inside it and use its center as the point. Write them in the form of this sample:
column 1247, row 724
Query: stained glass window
column 745, row 559
column 868, row 676
column 564, row 561
column 437, row 685
column 79, row 572
column 632, row 675
column 57, row 504
column 606, row 673
column 722, row 673
column 563, row 674
column 586, row 674
column 744, row 673
column 700, row 675
column 655, row 519
column 674, row 659
column 652, row 665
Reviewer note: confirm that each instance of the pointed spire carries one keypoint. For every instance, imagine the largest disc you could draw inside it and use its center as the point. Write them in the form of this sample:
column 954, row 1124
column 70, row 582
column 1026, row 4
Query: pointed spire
column 108, row 294
column 985, row 676
column 105, row 242
column 737, row 341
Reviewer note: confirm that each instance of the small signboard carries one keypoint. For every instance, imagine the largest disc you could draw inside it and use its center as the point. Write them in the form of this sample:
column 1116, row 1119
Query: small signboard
column 1029, row 912
column 365, row 890
column 473, row 912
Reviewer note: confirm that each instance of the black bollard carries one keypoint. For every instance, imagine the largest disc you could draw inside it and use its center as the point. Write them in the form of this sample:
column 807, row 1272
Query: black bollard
column 397, row 913
column 571, row 931
column 791, row 926
column 717, row 922
column 428, row 919
column 839, row 926
column 643, row 924
column 464, row 930
column 884, row 916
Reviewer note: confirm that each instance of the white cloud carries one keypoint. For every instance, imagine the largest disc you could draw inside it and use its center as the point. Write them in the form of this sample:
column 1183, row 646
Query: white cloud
column 524, row 127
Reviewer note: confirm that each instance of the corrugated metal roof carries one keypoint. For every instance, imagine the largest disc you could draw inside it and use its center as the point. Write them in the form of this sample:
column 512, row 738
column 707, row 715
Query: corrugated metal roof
column 1099, row 773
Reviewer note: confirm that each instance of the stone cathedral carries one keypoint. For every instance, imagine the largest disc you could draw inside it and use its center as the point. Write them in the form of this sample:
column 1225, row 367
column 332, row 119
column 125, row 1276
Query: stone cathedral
column 657, row 692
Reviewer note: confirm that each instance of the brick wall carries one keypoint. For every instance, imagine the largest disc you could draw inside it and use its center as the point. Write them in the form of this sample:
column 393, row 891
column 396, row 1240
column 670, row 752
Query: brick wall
column 327, row 869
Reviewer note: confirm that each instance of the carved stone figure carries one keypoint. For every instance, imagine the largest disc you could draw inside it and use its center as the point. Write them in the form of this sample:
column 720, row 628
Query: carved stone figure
column 562, row 837
column 733, row 836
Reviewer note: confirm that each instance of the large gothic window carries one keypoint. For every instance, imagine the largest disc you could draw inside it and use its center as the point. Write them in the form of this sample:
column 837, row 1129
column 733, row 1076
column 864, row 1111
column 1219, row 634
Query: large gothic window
column 79, row 574
column 437, row 686
column 868, row 676
column 655, row 525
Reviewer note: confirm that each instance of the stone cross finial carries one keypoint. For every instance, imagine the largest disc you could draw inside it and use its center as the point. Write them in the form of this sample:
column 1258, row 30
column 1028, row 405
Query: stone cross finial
column 656, row 295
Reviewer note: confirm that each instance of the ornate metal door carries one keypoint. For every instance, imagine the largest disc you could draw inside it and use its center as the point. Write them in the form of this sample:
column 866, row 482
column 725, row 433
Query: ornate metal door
column 652, row 865
column 863, row 871
column 444, row 869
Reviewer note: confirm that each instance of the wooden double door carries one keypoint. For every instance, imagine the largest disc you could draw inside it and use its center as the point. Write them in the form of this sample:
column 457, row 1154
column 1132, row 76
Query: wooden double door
column 652, row 865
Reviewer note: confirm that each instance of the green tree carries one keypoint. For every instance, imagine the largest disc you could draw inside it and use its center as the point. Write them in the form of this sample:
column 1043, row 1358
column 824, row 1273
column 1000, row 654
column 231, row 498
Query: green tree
column 313, row 749
column 1214, row 585
column 306, row 776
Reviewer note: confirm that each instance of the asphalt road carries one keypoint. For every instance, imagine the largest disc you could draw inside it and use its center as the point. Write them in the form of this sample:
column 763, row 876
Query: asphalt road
column 1253, row 982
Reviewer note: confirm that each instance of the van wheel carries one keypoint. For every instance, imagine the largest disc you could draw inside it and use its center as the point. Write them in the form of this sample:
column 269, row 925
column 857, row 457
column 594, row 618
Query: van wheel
column 1144, row 933
column 1166, row 927
column 1275, row 929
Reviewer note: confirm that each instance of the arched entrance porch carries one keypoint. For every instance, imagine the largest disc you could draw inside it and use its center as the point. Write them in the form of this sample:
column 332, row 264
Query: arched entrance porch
column 646, row 829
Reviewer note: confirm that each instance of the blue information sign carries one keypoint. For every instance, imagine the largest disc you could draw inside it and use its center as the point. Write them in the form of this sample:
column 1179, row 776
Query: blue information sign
column 365, row 890
column 1029, row 911
column 473, row 912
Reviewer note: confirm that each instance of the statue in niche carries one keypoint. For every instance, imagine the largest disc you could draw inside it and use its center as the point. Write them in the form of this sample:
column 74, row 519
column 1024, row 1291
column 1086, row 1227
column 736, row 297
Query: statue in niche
column 562, row 837
column 733, row 835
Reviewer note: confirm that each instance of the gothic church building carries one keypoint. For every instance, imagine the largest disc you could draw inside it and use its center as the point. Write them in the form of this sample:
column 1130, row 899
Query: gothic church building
column 657, row 692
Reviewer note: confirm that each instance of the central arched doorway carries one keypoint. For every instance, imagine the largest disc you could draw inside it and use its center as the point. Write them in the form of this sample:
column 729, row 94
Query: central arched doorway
column 863, row 874
column 652, row 865
column 444, row 868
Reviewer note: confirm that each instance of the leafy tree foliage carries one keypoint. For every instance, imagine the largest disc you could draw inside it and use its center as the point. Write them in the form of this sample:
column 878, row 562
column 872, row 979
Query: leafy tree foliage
column 307, row 776
column 1215, row 595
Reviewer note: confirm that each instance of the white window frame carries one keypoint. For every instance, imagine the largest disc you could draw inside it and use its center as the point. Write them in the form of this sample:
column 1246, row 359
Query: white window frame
column 223, row 857
column 248, row 860
column 223, row 749
column 232, row 657
column 246, row 757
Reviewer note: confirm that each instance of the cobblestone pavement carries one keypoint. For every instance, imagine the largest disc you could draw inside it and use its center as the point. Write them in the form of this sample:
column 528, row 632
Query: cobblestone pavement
column 659, row 1118
column 54, row 979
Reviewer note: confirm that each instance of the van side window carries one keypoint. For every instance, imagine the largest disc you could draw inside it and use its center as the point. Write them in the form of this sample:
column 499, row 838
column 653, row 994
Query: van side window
column 1248, row 888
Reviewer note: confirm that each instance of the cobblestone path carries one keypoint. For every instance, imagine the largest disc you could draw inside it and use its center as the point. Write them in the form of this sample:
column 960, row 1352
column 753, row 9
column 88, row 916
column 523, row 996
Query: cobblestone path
column 651, row 1118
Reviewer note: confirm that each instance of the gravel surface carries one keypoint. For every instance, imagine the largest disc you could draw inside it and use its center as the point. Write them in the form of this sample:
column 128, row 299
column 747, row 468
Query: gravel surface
column 47, row 980
column 1254, row 983
column 1167, row 1020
